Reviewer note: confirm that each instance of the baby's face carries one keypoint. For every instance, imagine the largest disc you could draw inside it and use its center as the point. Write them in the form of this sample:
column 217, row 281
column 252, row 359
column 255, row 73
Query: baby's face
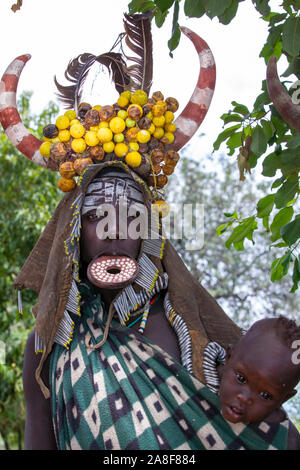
column 254, row 382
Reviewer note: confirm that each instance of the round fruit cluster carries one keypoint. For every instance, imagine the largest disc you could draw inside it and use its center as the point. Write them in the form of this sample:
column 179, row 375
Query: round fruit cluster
column 137, row 129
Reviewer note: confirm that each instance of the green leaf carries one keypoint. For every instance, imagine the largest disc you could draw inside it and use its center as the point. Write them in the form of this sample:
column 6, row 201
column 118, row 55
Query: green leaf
column 281, row 218
column 291, row 36
column 296, row 275
column 215, row 7
column 262, row 6
column 287, row 191
column 265, row 205
column 277, row 270
column 294, row 142
column 176, row 33
column 229, row 13
column 194, row 8
column 160, row 17
column 261, row 100
column 164, row 5
column 271, row 164
column 140, row 5
column 224, row 135
column 231, row 117
column 290, row 161
column 259, row 141
column 233, row 215
column 291, row 232
column 234, row 141
column 268, row 128
column 243, row 230
column 240, row 108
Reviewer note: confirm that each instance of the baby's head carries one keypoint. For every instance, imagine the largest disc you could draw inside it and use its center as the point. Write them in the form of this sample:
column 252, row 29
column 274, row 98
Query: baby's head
column 261, row 372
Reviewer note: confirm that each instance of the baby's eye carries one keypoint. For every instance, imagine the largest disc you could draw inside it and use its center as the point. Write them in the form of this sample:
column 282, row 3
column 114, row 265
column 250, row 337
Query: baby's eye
column 266, row 395
column 241, row 379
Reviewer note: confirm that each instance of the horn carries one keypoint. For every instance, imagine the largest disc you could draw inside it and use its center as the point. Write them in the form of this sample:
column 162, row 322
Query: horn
column 195, row 111
column 282, row 101
column 10, row 119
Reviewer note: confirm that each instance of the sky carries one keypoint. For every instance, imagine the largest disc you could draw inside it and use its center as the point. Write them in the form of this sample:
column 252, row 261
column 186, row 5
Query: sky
column 56, row 31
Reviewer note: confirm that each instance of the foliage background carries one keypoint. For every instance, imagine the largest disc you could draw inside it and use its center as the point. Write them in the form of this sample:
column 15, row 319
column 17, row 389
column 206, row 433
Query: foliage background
column 28, row 198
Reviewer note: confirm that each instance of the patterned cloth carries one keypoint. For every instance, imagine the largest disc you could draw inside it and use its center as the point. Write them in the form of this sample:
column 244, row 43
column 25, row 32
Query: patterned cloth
column 130, row 394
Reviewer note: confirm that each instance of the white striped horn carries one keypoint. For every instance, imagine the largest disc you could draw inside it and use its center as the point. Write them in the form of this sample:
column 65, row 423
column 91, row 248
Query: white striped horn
column 10, row 118
column 195, row 111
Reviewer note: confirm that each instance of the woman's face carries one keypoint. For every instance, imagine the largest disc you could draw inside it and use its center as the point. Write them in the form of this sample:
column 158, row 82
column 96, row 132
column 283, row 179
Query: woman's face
column 112, row 229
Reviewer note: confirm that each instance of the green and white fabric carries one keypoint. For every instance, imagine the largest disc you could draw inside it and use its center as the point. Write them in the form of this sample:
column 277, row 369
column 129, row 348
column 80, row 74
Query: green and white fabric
column 130, row 394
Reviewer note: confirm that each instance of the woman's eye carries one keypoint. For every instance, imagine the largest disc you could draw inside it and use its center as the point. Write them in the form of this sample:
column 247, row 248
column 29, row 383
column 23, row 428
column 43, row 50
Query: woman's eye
column 241, row 379
column 95, row 216
column 266, row 395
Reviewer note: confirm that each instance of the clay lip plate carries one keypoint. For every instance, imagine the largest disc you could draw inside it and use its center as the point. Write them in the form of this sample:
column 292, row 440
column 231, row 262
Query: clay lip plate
column 112, row 272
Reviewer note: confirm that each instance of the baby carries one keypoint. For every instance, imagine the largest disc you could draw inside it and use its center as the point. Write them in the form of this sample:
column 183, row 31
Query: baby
column 259, row 374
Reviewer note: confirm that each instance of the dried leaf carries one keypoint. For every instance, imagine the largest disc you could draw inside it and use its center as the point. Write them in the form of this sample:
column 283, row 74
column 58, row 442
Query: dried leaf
column 17, row 6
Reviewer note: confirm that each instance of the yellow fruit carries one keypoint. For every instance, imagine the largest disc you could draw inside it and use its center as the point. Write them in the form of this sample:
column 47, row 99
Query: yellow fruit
column 74, row 121
column 122, row 114
column 159, row 121
column 94, row 128
column 158, row 133
column 169, row 117
column 131, row 134
column 64, row 135
column 130, row 122
column 158, row 109
column 149, row 115
column 108, row 147
column 139, row 97
column 119, row 137
column 103, row 124
column 46, row 139
column 126, row 93
column 66, row 170
column 133, row 159
column 91, row 138
column 123, row 101
column 135, row 111
column 56, row 139
column 121, row 150
column 77, row 130
column 104, row 134
column 62, row 122
column 143, row 136
column 97, row 107
column 170, row 137
column 45, row 149
column 170, row 127
column 78, row 145
column 117, row 125
column 71, row 114
column 151, row 128
column 161, row 207
column 66, row 184
column 134, row 145
column 81, row 164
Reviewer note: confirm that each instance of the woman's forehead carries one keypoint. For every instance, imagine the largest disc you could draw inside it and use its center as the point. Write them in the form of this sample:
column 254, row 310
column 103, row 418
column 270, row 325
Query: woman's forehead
column 110, row 189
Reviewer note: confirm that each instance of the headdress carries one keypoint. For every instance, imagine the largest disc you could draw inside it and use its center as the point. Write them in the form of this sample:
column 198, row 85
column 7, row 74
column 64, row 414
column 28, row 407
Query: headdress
column 139, row 129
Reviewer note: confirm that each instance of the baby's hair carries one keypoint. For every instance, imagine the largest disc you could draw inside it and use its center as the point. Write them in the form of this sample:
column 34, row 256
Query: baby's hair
column 286, row 330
